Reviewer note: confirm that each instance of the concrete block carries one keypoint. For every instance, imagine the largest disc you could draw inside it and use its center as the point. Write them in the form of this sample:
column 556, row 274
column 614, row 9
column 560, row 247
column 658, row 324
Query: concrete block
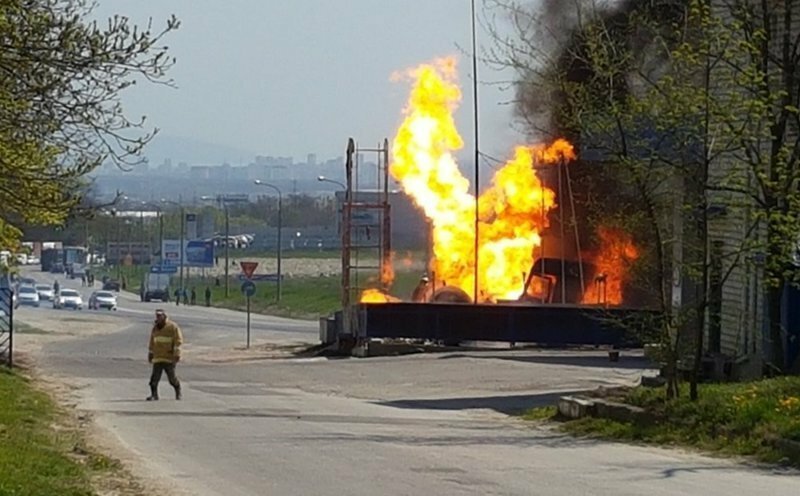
column 620, row 412
column 575, row 407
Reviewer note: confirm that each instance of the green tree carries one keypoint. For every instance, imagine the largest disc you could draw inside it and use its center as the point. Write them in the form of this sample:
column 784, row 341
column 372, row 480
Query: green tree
column 692, row 107
column 61, row 77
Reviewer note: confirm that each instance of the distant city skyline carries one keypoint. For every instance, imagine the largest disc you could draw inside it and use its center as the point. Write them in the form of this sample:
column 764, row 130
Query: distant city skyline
column 293, row 78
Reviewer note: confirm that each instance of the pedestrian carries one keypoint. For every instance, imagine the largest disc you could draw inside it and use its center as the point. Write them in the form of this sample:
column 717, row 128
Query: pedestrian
column 177, row 297
column 193, row 300
column 56, row 286
column 164, row 353
column 185, row 296
column 208, row 296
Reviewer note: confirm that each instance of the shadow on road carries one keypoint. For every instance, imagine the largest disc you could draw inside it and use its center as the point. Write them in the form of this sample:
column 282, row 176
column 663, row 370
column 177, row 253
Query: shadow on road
column 507, row 404
column 631, row 362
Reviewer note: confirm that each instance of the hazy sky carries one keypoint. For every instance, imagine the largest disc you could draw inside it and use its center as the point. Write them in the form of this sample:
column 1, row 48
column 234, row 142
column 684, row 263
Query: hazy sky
column 295, row 77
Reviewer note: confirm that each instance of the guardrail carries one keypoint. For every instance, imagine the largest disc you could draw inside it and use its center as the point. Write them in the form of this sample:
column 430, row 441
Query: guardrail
column 7, row 326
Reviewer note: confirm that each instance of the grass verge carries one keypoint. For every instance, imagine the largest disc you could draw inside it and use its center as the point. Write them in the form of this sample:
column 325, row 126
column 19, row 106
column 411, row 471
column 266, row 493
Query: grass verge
column 747, row 419
column 38, row 454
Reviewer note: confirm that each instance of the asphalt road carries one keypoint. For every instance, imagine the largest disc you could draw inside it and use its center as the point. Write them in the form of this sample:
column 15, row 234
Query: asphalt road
column 412, row 425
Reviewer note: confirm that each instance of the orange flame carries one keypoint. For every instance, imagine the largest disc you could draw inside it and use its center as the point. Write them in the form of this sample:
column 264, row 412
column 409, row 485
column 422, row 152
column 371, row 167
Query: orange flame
column 512, row 213
column 376, row 296
column 617, row 251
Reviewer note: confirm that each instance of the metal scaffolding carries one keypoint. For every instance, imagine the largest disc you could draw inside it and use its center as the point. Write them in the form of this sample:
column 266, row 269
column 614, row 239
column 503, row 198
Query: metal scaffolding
column 366, row 226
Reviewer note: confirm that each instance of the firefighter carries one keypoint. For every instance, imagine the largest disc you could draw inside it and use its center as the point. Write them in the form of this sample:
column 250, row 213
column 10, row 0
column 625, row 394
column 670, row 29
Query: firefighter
column 164, row 353
column 420, row 294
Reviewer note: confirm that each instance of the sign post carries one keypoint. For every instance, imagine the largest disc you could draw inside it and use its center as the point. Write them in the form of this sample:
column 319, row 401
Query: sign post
column 248, row 289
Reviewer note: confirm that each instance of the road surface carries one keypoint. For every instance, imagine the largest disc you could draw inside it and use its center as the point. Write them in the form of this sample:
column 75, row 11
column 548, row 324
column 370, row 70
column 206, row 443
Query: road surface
column 412, row 425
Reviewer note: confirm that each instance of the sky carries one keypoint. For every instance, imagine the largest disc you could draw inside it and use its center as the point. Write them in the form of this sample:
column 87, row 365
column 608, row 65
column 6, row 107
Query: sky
column 288, row 78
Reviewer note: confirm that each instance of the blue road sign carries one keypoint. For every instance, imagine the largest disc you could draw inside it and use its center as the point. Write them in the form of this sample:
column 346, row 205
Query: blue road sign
column 248, row 288
column 163, row 269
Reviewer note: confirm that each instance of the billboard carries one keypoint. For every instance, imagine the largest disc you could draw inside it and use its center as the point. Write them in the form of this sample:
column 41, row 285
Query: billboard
column 191, row 226
column 197, row 253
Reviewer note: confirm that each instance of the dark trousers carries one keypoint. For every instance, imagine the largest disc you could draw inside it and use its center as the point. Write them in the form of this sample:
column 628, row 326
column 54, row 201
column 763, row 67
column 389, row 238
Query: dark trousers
column 169, row 368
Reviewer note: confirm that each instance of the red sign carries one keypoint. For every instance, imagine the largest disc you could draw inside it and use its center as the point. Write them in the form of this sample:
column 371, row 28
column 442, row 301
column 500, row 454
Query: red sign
column 248, row 268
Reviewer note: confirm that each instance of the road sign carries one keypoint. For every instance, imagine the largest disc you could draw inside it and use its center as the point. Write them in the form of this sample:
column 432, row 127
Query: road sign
column 259, row 277
column 163, row 269
column 248, row 288
column 248, row 268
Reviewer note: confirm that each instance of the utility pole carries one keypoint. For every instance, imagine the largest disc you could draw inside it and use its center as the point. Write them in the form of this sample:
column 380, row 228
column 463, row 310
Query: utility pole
column 227, row 246
column 280, row 228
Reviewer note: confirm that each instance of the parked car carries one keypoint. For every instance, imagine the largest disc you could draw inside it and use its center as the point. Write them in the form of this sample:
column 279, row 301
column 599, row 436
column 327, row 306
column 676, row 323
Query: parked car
column 27, row 281
column 33, row 260
column 45, row 292
column 111, row 285
column 102, row 299
column 68, row 298
column 27, row 295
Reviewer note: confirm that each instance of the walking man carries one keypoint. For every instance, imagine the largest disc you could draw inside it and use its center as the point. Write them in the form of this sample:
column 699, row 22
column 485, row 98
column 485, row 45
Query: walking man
column 193, row 300
column 164, row 353
column 208, row 296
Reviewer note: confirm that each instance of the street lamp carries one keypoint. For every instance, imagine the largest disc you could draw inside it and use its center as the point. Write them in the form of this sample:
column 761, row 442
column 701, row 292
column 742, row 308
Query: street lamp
column 221, row 200
column 183, row 231
column 324, row 179
column 259, row 182
column 160, row 228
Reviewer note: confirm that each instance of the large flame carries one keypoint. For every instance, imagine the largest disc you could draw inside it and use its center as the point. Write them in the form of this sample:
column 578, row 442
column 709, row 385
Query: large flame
column 377, row 296
column 612, row 261
column 512, row 213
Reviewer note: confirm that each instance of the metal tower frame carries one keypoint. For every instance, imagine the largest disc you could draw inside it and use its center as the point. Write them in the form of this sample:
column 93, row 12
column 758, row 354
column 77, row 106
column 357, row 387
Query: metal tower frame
column 353, row 234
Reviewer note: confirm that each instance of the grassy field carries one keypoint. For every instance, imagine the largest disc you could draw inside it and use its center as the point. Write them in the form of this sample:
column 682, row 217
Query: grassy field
column 302, row 297
column 38, row 455
column 735, row 419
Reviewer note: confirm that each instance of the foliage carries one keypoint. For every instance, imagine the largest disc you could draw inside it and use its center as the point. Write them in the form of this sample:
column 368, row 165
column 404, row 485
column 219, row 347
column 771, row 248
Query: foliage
column 35, row 458
column 61, row 77
column 687, row 108
column 740, row 419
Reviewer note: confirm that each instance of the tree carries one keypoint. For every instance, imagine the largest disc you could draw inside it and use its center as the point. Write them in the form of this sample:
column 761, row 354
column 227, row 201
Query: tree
column 61, row 77
column 688, row 108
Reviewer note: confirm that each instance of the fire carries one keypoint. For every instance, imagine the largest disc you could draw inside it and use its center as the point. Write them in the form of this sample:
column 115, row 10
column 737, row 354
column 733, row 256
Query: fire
column 512, row 212
column 617, row 251
column 376, row 296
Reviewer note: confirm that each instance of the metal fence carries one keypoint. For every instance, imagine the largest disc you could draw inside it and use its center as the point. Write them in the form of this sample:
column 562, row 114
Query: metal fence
column 7, row 326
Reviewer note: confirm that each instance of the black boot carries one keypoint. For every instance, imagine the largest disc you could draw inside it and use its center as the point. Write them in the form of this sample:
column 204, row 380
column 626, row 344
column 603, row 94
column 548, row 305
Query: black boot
column 153, row 394
column 178, row 394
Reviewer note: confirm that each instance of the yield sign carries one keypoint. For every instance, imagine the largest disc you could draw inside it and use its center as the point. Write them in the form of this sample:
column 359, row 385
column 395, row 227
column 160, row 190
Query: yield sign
column 248, row 268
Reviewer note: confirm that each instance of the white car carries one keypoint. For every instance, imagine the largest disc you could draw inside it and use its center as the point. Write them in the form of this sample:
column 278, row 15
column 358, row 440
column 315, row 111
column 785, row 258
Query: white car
column 45, row 292
column 27, row 295
column 68, row 298
column 102, row 299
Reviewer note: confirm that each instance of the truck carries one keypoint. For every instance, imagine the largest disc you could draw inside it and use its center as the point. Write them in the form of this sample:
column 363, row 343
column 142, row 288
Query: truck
column 156, row 287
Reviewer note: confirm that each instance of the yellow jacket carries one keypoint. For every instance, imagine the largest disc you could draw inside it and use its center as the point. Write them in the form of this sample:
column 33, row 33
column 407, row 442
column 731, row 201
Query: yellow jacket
column 165, row 343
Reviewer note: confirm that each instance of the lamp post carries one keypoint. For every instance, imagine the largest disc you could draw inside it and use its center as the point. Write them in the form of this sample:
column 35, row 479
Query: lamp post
column 258, row 182
column 183, row 231
column 324, row 179
column 160, row 229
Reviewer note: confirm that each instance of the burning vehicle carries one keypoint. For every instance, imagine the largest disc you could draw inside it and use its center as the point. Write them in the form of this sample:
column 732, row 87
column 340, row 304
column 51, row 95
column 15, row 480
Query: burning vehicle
column 517, row 275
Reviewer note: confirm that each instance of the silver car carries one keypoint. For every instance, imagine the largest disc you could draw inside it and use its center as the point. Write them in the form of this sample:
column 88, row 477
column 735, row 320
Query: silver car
column 27, row 295
column 102, row 299
column 45, row 292
column 68, row 298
